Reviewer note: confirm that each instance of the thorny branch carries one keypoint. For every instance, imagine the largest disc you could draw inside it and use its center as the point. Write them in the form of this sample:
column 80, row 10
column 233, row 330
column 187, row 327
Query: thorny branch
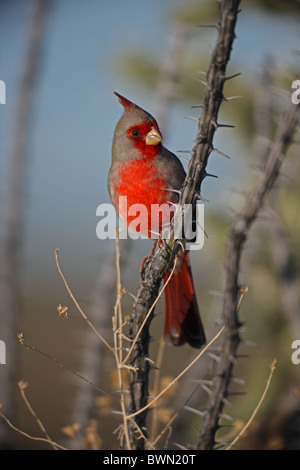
column 235, row 242
column 156, row 268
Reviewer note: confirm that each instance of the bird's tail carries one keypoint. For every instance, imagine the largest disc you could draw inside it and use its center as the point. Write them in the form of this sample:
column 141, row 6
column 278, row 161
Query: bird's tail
column 182, row 318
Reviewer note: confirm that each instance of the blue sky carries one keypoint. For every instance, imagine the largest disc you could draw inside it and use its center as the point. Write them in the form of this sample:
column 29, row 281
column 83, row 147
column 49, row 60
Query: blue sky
column 75, row 111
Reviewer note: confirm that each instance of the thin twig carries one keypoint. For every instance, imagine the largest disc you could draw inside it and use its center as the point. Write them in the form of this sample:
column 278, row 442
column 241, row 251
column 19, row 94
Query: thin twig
column 240, row 434
column 118, row 343
column 22, row 386
column 42, row 439
column 77, row 304
column 60, row 364
column 159, row 359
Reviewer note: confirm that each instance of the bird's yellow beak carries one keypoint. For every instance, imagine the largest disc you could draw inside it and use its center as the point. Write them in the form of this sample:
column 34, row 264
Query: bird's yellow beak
column 153, row 137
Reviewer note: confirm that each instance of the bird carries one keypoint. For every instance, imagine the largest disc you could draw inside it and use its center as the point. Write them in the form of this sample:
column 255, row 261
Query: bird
column 145, row 173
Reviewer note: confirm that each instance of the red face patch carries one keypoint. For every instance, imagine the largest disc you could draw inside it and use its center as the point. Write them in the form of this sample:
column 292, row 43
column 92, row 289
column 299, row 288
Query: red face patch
column 138, row 134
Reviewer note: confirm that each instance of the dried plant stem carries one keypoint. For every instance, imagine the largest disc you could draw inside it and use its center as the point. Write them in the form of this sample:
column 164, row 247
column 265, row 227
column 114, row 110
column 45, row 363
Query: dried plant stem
column 249, row 422
column 159, row 359
column 60, row 364
column 77, row 304
column 22, row 385
column 118, row 344
column 42, row 439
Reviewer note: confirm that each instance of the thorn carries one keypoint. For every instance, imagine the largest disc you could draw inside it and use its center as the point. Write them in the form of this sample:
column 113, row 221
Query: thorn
column 149, row 360
column 233, row 359
column 198, row 196
column 209, row 47
column 225, row 416
column 214, row 357
column 232, row 76
column 192, row 118
column 216, row 26
column 181, row 244
column 197, row 106
column 133, row 296
column 193, row 410
column 150, row 397
column 249, row 343
column 221, row 153
column 180, row 446
column 202, row 381
column 225, row 125
column 185, row 159
column 226, row 402
column 221, row 426
column 238, row 380
column 236, row 393
column 172, row 190
column 201, row 81
column 185, row 151
column 220, row 444
column 241, row 356
column 172, row 204
column 216, row 348
column 217, row 293
column 209, row 174
column 206, row 389
column 219, row 321
column 154, row 233
column 230, row 98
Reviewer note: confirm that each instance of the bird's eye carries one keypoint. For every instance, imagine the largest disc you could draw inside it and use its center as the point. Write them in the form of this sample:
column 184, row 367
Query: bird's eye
column 135, row 133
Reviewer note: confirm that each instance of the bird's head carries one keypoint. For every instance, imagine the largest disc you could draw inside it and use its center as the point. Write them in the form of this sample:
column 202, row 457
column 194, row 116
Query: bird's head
column 137, row 133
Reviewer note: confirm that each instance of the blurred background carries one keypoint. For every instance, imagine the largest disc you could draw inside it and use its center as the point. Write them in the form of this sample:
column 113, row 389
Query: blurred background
column 61, row 62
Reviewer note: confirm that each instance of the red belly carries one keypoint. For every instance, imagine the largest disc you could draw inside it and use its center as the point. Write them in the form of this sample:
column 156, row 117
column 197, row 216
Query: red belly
column 141, row 199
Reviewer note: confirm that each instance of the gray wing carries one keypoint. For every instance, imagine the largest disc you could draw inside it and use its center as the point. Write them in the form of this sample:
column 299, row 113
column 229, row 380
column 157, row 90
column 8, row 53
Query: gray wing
column 171, row 168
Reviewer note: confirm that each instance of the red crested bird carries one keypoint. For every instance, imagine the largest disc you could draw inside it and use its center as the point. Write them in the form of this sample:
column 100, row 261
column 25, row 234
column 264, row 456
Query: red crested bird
column 144, row 172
